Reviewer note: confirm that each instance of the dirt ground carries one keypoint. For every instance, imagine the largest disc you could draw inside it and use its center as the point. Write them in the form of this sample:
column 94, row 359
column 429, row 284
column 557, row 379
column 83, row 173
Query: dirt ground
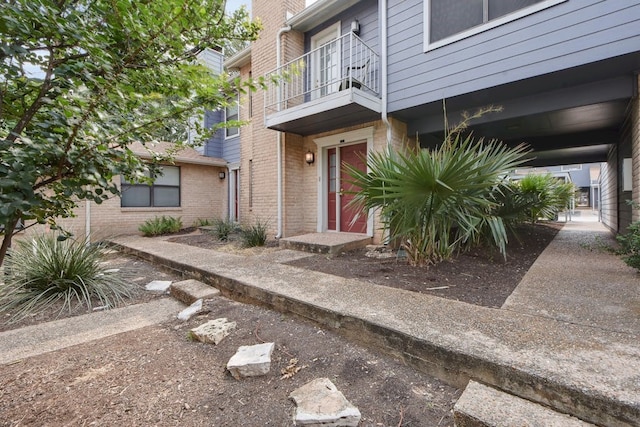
column 157, row 376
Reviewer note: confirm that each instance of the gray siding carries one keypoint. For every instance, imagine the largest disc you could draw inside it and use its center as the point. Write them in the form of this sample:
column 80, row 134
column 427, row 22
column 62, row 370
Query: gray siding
column 213, row 146
column 212, row 59
column 608, row 191
column 569, row 34
column 217, row 145
column 231, row 149
column 366, row 12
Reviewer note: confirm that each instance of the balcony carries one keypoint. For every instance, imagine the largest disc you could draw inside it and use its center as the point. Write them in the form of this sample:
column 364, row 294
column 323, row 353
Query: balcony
column 331, row 87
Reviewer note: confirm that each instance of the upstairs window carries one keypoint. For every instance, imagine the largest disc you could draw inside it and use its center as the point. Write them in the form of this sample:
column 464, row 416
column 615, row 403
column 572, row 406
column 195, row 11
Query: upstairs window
column 232, row 113
column 451, row 20
column 164, row 192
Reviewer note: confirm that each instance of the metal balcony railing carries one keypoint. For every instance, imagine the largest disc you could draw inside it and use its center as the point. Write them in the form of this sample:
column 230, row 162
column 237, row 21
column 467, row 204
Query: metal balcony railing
column 346, row 62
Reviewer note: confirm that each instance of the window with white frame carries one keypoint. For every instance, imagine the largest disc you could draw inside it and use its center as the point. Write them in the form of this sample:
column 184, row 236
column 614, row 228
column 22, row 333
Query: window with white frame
column 451, row 20
column 163, row 192
column 232, row 113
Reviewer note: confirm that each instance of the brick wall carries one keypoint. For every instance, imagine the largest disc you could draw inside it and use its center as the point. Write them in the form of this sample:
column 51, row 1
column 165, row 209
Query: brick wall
column 203, row 195
column 258, row 144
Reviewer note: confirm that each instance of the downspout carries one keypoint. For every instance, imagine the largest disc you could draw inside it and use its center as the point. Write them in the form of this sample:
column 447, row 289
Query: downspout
column 87, row 219
column 386, row 233
column 281, row 31
column 383, row 65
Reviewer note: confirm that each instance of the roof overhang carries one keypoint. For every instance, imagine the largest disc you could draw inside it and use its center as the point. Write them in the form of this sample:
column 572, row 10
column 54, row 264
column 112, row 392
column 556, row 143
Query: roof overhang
column 187, row 155
column 318, row 12
column 239, row 59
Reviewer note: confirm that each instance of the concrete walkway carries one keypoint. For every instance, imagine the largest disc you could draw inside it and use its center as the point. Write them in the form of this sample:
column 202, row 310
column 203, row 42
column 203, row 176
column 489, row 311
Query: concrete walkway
column 18, row 344
column 569, row 338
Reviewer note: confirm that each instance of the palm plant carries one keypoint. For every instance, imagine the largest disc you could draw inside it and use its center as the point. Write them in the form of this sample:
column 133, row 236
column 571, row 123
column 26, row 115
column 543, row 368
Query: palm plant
column 545, row 195
column 438, row 201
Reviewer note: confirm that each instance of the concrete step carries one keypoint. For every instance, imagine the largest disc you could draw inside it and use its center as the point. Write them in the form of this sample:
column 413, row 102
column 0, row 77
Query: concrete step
column 482, row 406
column 326, row 243
column 189, row 291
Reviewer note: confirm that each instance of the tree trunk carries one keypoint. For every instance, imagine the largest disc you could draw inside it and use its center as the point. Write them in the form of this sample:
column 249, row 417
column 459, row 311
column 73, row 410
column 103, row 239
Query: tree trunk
column 6, row 241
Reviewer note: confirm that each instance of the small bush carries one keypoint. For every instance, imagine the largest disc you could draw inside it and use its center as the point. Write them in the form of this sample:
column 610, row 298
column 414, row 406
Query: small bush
column 630, row 245
column 254, row 235
column 44, row 270
column 223, row 228
column 203, row 222
column 160, row 225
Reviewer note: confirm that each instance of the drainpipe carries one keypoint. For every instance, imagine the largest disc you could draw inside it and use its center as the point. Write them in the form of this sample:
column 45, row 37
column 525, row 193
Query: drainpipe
column 281, row 31
column 87, row 219
column 383, row 65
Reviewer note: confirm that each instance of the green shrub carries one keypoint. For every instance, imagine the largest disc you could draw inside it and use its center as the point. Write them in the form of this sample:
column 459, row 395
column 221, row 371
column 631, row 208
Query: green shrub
column 544, row 195
column 223, row 228
column 160, row 225
column 203, row 222
column 630, row 245
column 255, row 234
column 44, row 270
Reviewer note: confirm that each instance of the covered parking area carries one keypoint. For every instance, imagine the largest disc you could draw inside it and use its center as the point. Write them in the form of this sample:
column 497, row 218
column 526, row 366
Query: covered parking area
column 585, row 114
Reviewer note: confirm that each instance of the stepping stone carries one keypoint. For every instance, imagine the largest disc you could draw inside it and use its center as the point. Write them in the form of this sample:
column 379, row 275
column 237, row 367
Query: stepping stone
column 189, row 291
column 111, row 270
column 251, row 360
column 482, row 406
column 158, row 285
column 320, row 403
column 190, row 311
column 213, row 331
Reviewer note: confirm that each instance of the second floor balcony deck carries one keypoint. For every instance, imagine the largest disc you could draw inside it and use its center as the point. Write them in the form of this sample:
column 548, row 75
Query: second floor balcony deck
column 333, row 86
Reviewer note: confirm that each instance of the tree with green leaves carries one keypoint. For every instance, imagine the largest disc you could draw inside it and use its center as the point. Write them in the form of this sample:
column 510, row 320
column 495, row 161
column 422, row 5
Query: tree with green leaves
column 84, row 79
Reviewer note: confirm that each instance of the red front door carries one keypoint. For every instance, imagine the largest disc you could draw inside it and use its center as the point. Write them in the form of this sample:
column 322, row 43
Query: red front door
column 351, row 220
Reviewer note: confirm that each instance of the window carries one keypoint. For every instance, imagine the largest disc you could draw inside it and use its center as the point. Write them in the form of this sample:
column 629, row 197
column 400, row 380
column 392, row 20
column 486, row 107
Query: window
column 451, row 20
column 232, row 113
column 164, row 192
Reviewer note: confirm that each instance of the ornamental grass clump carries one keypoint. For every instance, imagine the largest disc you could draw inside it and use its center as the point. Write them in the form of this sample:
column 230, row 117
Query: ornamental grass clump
column 42, row 272
column 255, row 234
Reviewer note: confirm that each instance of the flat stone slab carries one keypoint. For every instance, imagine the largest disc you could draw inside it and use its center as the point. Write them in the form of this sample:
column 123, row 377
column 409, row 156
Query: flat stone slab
column 482, row 406
column 189, row 291
column 251, row 360
column 320, row 403
column 191, row 311
column 158, row 285
column 213, row 331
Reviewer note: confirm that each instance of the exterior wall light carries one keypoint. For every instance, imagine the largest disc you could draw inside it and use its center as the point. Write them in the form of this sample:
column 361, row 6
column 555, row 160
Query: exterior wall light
column 221, row 175
column 355, row 27
column 309, row 158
